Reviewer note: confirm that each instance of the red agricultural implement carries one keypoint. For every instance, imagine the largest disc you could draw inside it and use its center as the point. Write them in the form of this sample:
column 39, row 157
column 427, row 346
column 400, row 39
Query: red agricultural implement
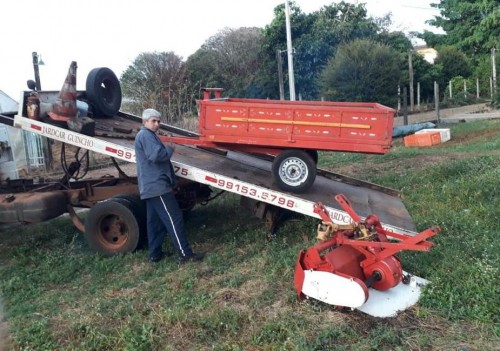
column 292, row 131
column 350, row 259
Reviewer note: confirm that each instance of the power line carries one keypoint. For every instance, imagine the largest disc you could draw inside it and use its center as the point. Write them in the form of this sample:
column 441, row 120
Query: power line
column 420, row 8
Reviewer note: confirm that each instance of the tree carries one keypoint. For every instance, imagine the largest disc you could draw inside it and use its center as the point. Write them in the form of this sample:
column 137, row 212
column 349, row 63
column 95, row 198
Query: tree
column 483, row 71
column 315, row 37
column 451, row 63
column 275, row 40
column 362, row 70
column 432, row 39
column 231, row 59
column 158, row 80
column 470, row 25
column 396, row 40
column 425, row 74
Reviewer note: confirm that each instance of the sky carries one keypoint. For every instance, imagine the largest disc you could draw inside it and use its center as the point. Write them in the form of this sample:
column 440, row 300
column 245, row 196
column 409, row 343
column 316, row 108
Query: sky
column 112, row 33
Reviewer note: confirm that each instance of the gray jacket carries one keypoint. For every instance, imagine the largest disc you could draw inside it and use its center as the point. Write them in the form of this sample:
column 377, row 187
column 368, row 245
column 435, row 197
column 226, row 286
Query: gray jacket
column 155, row 173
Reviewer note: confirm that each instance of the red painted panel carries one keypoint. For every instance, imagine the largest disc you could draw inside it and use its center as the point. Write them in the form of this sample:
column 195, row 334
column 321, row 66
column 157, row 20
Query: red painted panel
column 319, row 125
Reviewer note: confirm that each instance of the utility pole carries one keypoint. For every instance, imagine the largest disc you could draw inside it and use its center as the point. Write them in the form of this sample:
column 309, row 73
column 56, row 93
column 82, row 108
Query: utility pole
column 280, row 74
column 291, row 79
column 410, row 69
column 494, row 69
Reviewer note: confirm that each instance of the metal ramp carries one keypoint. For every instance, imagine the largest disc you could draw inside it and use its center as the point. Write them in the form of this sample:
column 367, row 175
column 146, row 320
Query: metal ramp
column 250, row 176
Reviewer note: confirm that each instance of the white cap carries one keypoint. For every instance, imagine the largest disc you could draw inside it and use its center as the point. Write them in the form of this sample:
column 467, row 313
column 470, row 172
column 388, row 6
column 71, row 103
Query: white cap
column 150, row 112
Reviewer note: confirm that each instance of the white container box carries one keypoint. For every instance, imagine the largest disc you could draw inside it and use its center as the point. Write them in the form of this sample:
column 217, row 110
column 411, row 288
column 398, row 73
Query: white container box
column 444, row 133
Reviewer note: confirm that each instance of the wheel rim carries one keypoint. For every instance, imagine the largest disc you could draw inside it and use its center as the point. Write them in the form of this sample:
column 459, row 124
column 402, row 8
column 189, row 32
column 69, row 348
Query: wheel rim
column 293, row 171
column 113, row 231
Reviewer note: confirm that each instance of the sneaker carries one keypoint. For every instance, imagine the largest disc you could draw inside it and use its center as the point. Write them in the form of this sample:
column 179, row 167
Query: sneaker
column 191, row 258
column 156, row 259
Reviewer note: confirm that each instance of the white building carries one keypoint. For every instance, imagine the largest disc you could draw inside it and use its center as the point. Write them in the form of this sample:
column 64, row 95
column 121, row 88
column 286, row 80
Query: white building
column 7, row 104
column 429, row 54
column 13, row 159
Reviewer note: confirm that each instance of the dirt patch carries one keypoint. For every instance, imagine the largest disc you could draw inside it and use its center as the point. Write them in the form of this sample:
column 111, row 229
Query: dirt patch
column 470, row 137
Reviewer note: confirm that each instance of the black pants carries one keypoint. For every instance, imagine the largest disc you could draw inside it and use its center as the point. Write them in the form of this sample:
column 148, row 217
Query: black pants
column 164, row 214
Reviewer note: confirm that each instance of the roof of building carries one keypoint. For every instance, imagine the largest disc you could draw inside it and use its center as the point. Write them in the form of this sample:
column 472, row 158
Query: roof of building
column 7, row 104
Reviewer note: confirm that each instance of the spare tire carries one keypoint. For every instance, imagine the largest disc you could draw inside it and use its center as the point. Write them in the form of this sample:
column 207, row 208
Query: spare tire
column 104, row 93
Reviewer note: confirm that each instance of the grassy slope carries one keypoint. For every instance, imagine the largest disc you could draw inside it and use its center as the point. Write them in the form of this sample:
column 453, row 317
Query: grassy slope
column 58, row 295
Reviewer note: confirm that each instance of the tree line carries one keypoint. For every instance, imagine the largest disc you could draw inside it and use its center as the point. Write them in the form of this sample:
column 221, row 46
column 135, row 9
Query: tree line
column 340, row 54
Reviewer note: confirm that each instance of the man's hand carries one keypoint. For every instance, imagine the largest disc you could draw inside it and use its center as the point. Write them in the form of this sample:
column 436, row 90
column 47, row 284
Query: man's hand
column 171, row 144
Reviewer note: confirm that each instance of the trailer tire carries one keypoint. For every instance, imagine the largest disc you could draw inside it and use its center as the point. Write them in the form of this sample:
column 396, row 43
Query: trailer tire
column 138, row 208
column 314, row 154
column 294, row 170
column 111, row 228
column 103, row 91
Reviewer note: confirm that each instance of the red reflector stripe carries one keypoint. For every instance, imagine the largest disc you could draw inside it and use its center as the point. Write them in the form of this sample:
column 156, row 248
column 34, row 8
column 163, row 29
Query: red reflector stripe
column 210, row 179
column 110, row 149
column 36, row 127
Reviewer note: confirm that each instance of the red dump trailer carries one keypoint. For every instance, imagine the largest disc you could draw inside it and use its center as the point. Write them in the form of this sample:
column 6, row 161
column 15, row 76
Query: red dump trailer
column 293, row 131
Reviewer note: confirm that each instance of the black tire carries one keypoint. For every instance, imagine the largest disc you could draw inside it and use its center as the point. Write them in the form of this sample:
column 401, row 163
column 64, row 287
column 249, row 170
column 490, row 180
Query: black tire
column 314, row 154
column 294, row 170
column 111, row 228
column 104, row 93
column 138, row 208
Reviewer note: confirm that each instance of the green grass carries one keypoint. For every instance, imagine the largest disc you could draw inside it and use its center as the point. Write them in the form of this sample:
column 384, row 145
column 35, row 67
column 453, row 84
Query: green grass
column 59, row 295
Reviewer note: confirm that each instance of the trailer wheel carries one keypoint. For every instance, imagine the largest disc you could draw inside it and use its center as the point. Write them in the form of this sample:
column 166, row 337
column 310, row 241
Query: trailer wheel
column 111, row 228
column 104, row 93
column 294, row 170
column 314, row 154
column 135, row 204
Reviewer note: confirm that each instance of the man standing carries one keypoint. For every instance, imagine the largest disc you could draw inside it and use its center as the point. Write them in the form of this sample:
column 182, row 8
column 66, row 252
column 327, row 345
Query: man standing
column 156, row 178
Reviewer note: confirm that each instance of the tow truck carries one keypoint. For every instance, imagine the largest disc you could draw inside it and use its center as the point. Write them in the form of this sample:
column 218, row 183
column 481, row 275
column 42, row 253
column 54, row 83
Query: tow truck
column 115, row 222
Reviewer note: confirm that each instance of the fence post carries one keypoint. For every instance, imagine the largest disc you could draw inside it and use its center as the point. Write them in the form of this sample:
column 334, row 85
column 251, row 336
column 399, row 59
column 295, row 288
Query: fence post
column 477, row 88
column 405, row 107
column 436, row 100
column 491, row 88
column 399, row 98
column 450, row 85
column 418, row 96
column 465, row 88
column 494, row 69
